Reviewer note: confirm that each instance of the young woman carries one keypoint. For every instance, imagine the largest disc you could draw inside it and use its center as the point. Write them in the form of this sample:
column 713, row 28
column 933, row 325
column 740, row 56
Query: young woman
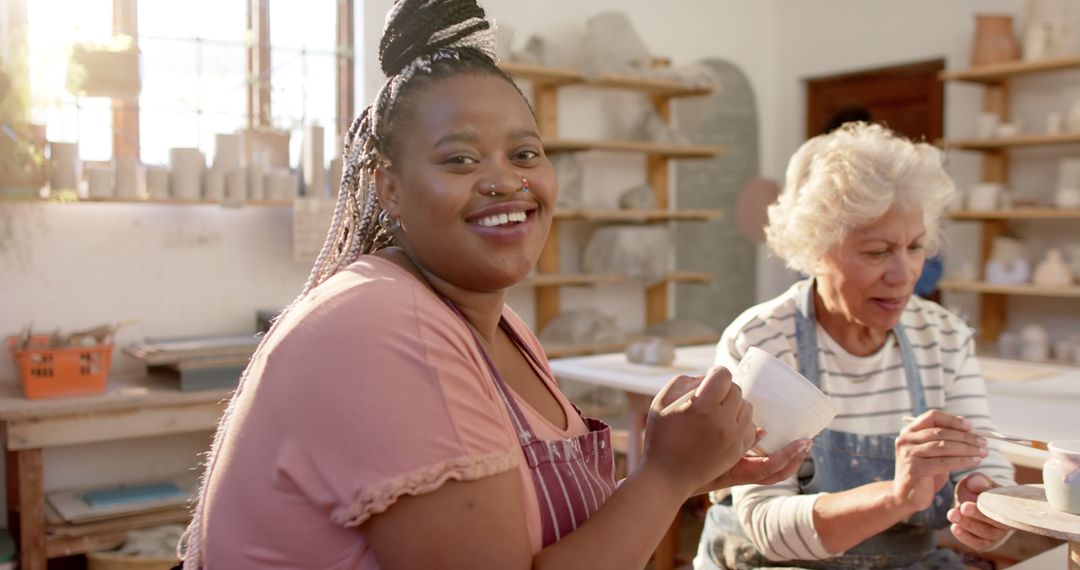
column 399, row 414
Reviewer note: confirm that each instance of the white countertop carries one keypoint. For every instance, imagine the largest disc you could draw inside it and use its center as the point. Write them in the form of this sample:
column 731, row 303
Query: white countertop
column 1040, row 401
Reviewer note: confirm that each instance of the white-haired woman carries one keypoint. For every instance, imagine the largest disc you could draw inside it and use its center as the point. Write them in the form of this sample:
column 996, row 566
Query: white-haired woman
column 859, row 213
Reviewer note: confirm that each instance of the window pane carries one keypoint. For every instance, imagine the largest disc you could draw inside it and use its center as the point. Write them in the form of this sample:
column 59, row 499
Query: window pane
column 54, row 26
column 194, row 74
column 303, row 78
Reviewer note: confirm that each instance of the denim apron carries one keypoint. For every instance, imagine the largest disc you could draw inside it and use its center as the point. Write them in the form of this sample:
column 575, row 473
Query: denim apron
column 840, row 461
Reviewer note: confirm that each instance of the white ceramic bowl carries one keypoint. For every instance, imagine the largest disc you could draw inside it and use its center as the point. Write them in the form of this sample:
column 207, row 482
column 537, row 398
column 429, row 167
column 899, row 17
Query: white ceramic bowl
column 786, row 404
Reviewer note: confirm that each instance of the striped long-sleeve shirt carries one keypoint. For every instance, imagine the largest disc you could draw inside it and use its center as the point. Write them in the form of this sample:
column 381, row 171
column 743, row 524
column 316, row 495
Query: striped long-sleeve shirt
column 871, row 395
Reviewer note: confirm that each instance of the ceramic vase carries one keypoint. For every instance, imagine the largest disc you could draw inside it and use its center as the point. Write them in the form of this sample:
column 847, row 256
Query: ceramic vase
column 1061, row 476
column 99, row 182
column 186, row 166
column 64, row 166
column 126, row 174
column 994, row 40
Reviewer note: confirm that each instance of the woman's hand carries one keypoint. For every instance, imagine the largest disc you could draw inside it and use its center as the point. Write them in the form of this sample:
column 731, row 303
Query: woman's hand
column 927, row 450
column 693, row 443
column 969, row 525
column 763, row 470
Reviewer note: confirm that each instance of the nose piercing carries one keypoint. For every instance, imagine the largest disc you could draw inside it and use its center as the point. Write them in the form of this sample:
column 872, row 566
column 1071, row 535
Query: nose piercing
column 524, row 185
column 491, row 190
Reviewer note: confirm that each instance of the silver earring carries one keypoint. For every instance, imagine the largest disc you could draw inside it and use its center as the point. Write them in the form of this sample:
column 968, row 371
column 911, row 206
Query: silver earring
column 388, row 224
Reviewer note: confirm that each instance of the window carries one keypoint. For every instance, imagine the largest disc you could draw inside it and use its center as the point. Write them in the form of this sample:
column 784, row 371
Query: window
column 194, row 66
column 53, row 27
column 303, row 63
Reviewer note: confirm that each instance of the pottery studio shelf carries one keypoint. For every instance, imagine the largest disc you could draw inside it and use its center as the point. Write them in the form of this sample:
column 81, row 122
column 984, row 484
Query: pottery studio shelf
column 1000, row 143
column 592, row 280
column 560, row 76
column 1018, row 214
column 162, row 202
column 1003, row 71
column 553, row 145
column 1069, row 291
column 563, row 351
column 641, row 216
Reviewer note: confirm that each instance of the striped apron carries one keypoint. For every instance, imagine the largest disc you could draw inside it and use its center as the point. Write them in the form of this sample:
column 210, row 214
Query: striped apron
column 572, row 477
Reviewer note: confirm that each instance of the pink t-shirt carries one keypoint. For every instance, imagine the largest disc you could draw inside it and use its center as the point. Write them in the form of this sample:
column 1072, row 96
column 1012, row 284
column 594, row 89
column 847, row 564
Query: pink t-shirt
column 371, row 388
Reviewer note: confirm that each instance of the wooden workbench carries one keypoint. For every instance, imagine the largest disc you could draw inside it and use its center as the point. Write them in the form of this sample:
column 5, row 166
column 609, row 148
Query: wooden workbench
column 130, row 408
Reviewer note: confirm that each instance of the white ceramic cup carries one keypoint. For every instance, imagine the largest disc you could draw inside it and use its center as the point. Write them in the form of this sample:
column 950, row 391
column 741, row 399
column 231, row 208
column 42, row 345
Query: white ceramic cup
column 786, row 404
column 1061, row 476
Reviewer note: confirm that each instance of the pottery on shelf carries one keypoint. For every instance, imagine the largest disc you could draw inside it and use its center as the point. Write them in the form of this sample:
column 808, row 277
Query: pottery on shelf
column 1001, row 273
column 1055, row 124
column 1034, row 343
column 1067, row 198
column 1053, row 271
column 1072, row 120
column 63, row 166
column 994, row 40
column 99, row 182
column 985, row 196
column 157, row 182
column 186, row 168
column 1008, row 345
column 126, row 174
column 1049, row 29
column 986, row 125
column 1006, row 130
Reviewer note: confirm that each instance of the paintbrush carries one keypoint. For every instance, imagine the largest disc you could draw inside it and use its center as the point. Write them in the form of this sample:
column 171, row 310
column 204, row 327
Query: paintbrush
column 1035, row 443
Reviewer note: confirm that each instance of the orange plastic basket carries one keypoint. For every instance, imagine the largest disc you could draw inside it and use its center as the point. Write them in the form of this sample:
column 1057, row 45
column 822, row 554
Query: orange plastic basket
column 51, row 372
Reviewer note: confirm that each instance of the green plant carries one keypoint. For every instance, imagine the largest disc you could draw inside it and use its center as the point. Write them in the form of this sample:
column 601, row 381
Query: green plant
column 21, row 158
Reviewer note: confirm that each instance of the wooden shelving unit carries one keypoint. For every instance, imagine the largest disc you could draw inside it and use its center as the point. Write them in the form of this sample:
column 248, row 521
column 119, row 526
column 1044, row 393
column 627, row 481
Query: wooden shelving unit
column 643, row 147
column 1017, row 290
column 546, row 82
column 592, row 280
column 162, row 202
column 546, row 76
column 1018, row 214
column 997, row 82
column 994, row 74
column 1002, row 143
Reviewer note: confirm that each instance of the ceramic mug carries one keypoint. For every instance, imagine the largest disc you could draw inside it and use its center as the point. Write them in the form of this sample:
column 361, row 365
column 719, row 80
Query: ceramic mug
column 1061, row 476
column 985, row 196
column 786, row 404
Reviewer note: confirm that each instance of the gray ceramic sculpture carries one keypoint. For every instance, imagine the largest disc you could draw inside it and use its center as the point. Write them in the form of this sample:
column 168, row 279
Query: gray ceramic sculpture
column 581, row 326
column 639, row 252
column 640, row 197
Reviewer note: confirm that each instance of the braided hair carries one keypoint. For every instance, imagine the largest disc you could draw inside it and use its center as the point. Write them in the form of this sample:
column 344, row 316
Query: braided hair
column 423, row 41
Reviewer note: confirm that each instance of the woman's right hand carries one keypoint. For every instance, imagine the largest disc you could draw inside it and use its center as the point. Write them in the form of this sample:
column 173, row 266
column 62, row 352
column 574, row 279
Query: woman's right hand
column 927, row 450
column 693, row 443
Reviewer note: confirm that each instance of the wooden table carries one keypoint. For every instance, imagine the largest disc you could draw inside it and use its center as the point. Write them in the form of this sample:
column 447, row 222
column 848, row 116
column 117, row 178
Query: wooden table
column 1024, row 507
column 130, row 408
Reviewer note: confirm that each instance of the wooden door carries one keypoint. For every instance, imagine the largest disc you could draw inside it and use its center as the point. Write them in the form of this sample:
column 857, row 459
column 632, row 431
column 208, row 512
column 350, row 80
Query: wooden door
column 907, row 98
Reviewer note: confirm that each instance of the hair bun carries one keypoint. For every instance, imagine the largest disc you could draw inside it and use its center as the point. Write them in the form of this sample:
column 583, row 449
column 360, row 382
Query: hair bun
column 417, row 28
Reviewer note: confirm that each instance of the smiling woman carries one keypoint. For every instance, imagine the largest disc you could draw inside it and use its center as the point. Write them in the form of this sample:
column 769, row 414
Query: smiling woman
column 398, row 414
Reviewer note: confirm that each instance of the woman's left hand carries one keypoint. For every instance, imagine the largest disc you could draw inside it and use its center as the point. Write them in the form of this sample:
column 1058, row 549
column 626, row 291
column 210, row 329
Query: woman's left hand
column 974, row 529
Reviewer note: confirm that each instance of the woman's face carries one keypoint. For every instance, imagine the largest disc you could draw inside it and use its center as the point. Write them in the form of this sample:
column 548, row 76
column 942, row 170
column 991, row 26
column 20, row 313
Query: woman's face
column 870, row 276
column 468, row 136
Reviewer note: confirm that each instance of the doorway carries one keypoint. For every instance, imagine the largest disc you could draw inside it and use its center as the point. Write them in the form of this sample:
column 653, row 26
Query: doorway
column 908, row 98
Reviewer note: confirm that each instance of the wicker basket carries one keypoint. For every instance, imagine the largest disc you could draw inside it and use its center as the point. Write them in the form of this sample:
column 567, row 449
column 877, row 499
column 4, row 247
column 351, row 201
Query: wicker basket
column 114, row 561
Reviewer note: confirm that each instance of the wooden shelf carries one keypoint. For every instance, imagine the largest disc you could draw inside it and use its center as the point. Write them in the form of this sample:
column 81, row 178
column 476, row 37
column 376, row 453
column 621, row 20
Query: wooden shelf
column 1019, row 290
column 1018, row 214
column 589, row 280
column 553, row 145
column 1010, row 142
column 563, row 351
column 162, row 202
column 69, row 539
column 558, row 76
column 1002, row 71
column 641, row 216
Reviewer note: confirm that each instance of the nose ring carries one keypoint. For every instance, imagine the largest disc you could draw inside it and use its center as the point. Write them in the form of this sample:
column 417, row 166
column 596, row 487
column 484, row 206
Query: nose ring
column 524, row 185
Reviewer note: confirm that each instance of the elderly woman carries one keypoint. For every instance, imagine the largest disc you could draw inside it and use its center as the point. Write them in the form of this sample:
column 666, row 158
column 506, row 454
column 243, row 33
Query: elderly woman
column 859, row 214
